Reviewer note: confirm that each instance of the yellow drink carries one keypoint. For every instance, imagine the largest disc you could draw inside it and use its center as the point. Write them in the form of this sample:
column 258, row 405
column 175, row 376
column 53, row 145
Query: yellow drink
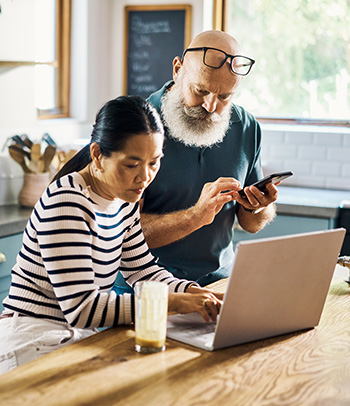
column 151, row 309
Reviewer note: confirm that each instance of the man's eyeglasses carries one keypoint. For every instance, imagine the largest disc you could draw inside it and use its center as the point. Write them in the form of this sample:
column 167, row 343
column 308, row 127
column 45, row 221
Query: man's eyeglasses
column 215, row 58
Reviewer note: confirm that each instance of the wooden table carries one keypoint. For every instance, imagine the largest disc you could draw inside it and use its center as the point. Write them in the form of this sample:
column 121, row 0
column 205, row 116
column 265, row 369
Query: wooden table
column 309, row 368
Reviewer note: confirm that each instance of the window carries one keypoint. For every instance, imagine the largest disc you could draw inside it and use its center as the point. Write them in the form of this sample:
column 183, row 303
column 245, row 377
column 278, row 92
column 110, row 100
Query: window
column 53, row 43
column 38, row 33
column 302, row 53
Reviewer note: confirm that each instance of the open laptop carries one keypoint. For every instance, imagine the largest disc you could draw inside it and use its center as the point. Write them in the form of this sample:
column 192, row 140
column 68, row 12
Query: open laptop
column 278, row 285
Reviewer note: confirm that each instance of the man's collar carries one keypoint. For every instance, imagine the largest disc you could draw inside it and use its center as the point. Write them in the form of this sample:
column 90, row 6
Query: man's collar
column 236, row 115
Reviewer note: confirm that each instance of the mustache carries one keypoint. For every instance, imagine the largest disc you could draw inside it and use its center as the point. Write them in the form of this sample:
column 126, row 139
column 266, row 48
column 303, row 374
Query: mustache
column 199, row 113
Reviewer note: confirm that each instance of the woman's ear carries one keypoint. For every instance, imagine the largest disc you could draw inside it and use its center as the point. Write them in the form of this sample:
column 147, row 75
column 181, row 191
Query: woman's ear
column 177, row 65
column 96, row 155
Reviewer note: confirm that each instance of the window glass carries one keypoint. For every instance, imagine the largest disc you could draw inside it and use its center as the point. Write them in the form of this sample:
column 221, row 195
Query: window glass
column 302, row 53
column 45, row 26
column 45, row 87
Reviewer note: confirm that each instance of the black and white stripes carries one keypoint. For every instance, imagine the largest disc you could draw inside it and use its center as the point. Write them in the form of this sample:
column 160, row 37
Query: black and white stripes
column 73, row 246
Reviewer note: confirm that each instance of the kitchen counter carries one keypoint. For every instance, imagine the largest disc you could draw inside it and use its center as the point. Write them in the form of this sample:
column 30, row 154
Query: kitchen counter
column 323, row 203
column 13, row 219
column 296, row 201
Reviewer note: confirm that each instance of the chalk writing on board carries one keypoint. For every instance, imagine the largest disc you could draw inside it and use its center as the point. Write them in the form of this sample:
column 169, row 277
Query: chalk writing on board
column 154, row 39
column 152, row 27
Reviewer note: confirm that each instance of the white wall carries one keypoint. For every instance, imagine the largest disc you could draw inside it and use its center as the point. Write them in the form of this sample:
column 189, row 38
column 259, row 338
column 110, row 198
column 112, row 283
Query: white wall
column 318, row 156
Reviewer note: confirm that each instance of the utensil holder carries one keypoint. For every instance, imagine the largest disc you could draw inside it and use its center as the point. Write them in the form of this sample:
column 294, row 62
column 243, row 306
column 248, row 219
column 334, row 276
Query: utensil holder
column 33, row 187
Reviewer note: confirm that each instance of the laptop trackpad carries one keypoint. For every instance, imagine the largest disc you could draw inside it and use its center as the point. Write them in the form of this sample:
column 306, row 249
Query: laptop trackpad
column 190, row 329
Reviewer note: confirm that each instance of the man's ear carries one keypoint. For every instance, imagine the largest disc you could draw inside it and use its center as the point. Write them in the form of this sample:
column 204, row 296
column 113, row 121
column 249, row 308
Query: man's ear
column 177, row 65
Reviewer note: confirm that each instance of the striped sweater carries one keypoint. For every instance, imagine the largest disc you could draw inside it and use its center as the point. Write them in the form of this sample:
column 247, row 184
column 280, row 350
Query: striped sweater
column 74, row 244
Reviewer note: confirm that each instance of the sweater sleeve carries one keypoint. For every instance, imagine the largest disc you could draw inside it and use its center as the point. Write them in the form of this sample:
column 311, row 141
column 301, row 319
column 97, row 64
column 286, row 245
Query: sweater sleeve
column 139, row 264
column 64, row 223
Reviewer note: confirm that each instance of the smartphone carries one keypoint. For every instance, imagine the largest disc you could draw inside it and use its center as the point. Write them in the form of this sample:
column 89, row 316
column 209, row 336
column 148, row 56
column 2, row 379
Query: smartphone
column 273, row 178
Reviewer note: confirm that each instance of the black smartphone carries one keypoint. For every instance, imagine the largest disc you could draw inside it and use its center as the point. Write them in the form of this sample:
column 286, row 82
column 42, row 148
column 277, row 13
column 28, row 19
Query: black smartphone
column 273, row 178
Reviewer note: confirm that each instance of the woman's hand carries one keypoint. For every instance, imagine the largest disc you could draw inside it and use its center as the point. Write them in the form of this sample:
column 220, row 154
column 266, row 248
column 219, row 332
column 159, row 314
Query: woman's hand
column 197, row 289
column 196, row 299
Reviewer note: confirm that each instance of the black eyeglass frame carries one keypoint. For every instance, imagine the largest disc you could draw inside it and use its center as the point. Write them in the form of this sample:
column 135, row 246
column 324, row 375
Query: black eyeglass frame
column 222, row 63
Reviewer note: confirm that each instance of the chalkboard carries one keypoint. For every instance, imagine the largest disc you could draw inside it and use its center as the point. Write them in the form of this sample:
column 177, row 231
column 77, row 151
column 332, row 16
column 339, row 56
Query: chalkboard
column 154, row 35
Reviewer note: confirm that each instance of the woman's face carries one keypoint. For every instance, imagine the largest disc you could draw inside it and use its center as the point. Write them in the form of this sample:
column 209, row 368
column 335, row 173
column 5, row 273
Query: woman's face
column 127, row 173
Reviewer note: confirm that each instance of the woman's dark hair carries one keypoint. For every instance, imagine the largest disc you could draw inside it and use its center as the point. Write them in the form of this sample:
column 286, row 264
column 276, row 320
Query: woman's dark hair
column 116, row 122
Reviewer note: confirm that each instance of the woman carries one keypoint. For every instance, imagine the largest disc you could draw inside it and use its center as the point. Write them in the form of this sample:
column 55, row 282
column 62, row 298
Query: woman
column 82, row 231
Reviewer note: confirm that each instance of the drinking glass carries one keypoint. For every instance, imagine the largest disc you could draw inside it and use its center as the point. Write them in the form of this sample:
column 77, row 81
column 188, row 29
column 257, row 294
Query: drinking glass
column 151, row 310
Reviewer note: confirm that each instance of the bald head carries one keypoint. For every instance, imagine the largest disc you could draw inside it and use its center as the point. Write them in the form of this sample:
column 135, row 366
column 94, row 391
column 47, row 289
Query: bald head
column 210, row 39
column 216, row 39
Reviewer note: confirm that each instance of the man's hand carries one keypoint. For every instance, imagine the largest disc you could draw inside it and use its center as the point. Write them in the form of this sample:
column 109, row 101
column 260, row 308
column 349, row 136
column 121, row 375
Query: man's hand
column 255, row 198
column 213, row 197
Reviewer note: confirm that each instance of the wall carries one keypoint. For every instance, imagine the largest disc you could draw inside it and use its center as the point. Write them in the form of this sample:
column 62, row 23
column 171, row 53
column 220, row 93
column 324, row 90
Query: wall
column 318, row 156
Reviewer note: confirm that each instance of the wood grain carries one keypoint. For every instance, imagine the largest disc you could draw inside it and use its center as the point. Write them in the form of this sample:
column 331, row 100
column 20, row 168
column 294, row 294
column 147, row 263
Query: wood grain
column 307, row 368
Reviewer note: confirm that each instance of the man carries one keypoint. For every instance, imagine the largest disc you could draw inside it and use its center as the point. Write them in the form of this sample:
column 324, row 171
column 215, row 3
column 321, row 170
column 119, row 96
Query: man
column 212, row 150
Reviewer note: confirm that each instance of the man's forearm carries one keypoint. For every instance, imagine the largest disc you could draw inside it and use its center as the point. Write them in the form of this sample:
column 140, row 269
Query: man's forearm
column 255, row 222
column 163, row 229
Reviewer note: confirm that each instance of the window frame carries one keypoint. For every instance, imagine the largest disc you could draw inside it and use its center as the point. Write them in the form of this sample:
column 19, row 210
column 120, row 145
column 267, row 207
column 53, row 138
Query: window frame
column 219, row 23
column 62, row 61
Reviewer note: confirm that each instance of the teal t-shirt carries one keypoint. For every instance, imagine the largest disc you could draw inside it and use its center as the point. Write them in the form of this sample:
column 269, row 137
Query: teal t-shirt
column 207, row 254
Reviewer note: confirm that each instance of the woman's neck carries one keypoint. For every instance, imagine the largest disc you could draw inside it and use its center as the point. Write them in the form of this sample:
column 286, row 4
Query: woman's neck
column 90, row 179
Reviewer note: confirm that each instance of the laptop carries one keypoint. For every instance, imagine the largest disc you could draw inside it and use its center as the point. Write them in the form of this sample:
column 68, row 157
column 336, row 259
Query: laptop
column 278, row 285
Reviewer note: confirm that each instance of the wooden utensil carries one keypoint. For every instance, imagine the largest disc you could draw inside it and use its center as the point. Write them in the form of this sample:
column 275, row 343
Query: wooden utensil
column 18, row 156
column 20, row 150
column 35, row 152
column 36, row 165
column 48, row 155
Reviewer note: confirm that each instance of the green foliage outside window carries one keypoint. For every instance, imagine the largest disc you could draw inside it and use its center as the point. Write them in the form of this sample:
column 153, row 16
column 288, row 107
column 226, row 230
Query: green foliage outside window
column 302, row 53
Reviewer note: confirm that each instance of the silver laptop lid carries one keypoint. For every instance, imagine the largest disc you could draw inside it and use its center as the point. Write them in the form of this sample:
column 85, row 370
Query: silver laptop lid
column 278, row 285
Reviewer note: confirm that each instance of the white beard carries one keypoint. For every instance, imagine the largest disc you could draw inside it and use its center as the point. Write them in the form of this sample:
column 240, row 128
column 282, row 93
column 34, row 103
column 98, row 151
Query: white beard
column 193, row 126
